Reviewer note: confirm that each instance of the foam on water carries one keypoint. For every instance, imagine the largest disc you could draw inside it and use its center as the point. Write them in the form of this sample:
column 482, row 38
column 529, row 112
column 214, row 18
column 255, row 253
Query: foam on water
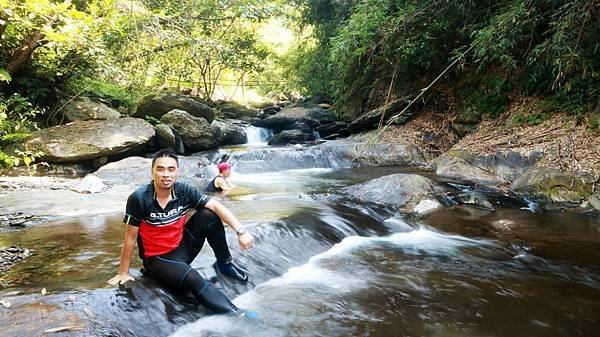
column 316, row 276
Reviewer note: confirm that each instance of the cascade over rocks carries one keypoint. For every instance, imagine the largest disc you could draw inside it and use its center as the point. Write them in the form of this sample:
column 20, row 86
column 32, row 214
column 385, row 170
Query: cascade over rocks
column 195, row 132
column 85, row 108
column 157, row 105
column 88, row 140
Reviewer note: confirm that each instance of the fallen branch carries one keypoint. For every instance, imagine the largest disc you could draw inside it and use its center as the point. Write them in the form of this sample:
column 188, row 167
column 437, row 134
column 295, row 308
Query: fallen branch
column 66, row 328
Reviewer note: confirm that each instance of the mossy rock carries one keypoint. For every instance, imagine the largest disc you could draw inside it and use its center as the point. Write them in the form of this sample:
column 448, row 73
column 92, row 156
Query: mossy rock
column 554, row 185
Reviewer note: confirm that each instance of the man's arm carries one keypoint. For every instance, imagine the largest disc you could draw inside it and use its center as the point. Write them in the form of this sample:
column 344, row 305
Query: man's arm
column 246, row 240
column 131, row 233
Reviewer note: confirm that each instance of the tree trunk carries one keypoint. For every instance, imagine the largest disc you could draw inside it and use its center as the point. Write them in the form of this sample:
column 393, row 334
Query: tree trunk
column 20, row 56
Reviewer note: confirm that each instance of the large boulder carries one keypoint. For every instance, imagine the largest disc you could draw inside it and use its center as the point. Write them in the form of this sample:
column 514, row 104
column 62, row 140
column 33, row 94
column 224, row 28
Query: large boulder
column 166, row 138
column 85, row 108
column 397, row 190
column 89, row 140
column 157, row 105
column 370, row 120
column 291, row 137
column 333, row 130
column 457, row 168
column 231, row 133
column 194, row 170
column 552, row 185
column 301, row 118
column 195, row 132
column 235, row 110
column 366, row 154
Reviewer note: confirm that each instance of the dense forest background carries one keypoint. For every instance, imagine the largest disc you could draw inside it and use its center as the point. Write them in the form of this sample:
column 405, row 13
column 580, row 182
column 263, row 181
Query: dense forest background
column 357, row 54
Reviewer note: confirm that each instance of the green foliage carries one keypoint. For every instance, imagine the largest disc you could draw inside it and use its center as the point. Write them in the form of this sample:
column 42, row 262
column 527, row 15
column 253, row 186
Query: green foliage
column 546, row 48
column 152, row 120
column 5, row 76
column 17, row 115
column 7, row 161
column 486, row 96
column 116, row 94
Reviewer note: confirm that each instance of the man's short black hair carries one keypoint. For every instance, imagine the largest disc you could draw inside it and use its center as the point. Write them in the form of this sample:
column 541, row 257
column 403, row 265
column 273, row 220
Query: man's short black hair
column 165, row 153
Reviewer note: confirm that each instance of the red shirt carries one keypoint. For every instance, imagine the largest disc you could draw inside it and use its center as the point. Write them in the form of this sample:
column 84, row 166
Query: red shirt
column 161, row 229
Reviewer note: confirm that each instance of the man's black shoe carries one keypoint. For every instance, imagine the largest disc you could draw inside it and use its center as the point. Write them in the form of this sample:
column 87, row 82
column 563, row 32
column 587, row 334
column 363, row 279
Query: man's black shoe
column 231, row 270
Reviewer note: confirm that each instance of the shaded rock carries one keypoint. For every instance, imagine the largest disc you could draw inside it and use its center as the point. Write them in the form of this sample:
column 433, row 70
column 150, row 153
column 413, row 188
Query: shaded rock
column 397, row 190
column 195, row 132
column 291, row 137
column 88, row 140
column 450, row 166
column 474, row 199
column 296, row 118
column 157, row 105
column 552, row 185
column 370, row 120
column 165, row 136
column 332, row 130
column 85, row 108
column 271, row 110
column 309, row 101
column 595, row 200
column 235, row 110
column 387, row 155
column 231, row 133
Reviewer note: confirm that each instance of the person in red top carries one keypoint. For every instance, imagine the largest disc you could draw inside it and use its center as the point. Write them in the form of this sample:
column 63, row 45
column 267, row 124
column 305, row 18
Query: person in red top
column 221, row 182
column 169, row 238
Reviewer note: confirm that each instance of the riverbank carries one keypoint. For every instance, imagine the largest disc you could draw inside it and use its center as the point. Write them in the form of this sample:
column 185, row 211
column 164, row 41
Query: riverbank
column 555, row 162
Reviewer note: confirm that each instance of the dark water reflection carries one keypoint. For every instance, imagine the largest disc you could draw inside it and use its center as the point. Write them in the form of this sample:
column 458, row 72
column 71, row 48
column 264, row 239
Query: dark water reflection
column 336, row 268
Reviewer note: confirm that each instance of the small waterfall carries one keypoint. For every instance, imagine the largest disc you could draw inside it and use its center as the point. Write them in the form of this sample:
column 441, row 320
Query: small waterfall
column 258, row 136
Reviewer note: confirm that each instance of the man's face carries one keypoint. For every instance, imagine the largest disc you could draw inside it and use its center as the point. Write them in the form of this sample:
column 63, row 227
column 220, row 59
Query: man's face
column 164, row 172
column 227, row 173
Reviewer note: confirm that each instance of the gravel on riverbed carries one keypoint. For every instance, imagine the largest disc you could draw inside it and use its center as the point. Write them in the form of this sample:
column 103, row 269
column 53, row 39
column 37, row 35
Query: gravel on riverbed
column 11, row 255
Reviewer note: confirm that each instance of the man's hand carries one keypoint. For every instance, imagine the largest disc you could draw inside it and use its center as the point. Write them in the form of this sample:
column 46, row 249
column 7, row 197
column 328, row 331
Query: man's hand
column 246, row 240
column 120, row 279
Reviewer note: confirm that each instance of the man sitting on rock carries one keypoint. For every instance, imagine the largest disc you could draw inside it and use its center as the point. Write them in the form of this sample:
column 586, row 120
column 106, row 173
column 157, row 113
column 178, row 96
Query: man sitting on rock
column 169, row 239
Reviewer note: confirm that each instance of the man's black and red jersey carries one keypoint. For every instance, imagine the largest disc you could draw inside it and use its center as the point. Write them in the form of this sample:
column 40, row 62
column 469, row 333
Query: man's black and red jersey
column 161, row 230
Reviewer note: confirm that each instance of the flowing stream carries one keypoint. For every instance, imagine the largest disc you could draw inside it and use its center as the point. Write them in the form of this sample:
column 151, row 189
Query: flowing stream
column 335, row 267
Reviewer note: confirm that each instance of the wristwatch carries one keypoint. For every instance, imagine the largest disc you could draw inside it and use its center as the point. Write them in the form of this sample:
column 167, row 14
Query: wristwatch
column 241, row 231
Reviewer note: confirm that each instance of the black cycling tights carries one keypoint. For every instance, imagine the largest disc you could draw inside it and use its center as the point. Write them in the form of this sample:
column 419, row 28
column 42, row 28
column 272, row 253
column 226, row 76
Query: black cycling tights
column 174, row 267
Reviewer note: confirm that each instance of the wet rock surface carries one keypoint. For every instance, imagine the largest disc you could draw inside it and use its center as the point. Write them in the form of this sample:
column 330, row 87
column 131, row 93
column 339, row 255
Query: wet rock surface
column 12, row 255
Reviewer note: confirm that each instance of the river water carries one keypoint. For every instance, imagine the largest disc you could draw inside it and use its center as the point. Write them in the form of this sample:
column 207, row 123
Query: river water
column 334, row 267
